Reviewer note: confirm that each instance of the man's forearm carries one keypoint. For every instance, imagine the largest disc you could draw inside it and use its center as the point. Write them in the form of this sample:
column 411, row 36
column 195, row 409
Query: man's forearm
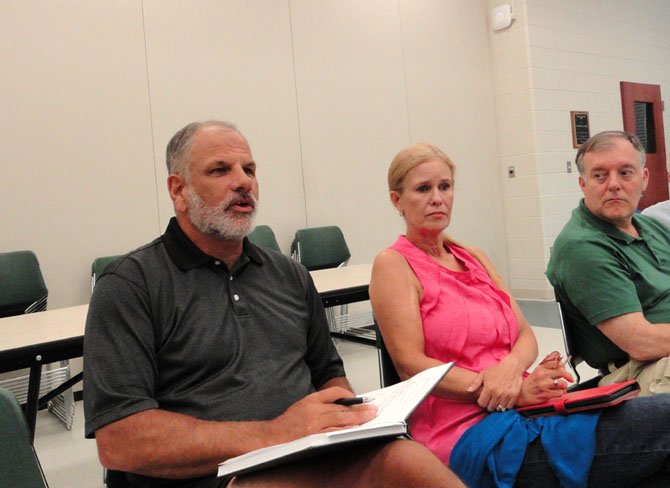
column 340, row 381
column 171, row 445
column 653, row 345
column 159, row 443
column 638, row 337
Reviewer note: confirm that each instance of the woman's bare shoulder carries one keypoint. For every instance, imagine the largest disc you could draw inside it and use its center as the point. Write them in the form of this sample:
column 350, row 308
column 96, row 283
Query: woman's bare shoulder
column 389, row 262
column 388, row 256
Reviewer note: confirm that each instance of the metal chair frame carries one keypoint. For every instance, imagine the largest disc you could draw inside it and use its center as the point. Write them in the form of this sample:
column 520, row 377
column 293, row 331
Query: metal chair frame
column 550, row 312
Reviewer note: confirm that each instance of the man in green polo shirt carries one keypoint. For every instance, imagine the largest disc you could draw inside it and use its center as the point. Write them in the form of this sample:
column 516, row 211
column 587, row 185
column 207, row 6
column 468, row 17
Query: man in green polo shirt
column 610, row 267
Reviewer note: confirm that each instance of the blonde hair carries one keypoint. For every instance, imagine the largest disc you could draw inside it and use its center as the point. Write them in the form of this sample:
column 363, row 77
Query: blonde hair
column 411, row 157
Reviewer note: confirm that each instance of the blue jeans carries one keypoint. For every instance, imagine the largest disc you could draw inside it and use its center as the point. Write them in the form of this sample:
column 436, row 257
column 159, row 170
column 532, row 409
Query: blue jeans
column 632, row 449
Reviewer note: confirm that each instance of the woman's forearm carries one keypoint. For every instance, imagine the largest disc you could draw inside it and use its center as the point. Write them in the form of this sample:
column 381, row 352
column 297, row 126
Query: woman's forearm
column 524, row 349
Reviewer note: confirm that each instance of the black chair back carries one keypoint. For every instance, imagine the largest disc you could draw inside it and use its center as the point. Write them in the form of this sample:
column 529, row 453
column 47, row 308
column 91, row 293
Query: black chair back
column 387, row 373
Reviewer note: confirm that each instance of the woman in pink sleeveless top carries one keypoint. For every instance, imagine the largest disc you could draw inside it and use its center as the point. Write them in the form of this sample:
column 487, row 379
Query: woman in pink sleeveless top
column 436, row 301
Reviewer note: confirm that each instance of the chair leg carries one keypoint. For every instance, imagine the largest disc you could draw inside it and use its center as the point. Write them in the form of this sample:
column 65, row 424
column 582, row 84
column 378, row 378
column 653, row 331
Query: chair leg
column 63, row 405
column 330, row 316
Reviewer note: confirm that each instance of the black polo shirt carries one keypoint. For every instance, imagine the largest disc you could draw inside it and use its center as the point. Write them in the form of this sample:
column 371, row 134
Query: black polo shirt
column 170, row 327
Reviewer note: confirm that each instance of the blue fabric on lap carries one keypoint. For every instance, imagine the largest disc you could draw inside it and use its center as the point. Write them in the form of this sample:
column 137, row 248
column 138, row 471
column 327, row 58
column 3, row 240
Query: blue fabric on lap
column 489, row 454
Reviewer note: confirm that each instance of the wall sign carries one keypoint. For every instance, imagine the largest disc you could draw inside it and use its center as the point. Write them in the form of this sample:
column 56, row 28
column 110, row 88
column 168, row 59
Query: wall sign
column 580, row 128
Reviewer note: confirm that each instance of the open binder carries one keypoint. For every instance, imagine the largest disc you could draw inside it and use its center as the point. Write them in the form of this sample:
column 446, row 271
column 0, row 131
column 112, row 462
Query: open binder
column 394, row 404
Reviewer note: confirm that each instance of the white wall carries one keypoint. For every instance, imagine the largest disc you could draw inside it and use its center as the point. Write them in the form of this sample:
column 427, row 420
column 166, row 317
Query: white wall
column 75, row 137
column 373, row 77
column 556, row 57
column 229, row 60
column 326, row 92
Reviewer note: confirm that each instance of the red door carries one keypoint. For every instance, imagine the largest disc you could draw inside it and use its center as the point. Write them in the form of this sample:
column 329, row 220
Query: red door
column 643, row 115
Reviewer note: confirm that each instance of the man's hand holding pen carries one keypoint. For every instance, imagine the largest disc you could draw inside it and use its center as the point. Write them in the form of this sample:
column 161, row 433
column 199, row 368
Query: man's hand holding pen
column 323, row 411
column 348, row 401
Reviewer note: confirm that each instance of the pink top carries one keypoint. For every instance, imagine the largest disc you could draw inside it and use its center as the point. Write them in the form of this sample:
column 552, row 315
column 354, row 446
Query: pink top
column 466, row 319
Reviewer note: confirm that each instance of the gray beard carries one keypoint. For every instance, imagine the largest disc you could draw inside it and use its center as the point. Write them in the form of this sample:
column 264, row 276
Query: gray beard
column 217, row 221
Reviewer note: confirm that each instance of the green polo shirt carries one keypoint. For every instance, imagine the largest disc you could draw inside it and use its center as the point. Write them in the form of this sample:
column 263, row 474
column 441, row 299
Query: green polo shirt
column 599, row 272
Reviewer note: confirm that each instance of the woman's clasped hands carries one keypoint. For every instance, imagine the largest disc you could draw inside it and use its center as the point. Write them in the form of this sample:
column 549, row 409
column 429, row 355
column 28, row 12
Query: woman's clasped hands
column 499, row 386
column 503, row 386
column 548, row 380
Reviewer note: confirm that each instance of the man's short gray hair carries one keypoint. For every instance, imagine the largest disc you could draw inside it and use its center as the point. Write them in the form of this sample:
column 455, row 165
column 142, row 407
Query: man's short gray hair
column 178, row 149
column 603, row 141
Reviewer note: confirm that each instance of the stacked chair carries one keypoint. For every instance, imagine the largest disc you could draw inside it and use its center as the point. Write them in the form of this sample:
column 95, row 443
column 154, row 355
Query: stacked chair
column 22, row 287
column 263, row 235
column 319, row 248
column 23, row 290
column 99, row 265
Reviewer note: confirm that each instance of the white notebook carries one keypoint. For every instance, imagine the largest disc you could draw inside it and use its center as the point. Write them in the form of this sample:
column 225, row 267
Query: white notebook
column 394, row 405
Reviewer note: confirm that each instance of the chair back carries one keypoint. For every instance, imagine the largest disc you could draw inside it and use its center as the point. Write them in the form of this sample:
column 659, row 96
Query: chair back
column 116, row 479
column 99, row 265
column 548, row 313
column 22, row 287
column 19, row 465
column 320, row 247
column 571, row 349
column 262, row 235
column 387, row 373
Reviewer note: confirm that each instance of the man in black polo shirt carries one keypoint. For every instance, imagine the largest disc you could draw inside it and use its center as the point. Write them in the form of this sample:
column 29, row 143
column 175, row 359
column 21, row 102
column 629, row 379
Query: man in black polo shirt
column 201, row 346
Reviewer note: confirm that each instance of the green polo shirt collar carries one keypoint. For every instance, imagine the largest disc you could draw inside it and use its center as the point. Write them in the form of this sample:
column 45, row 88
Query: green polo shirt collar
column 582, row 212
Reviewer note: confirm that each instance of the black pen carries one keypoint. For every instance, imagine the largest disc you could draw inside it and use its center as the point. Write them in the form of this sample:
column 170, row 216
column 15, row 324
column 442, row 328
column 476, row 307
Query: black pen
column 352, row 401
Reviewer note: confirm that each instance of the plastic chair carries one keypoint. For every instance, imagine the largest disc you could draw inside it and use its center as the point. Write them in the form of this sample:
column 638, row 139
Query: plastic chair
column 387, row 373
column 323, row 248
column 262, row 235
column 115, row 479
column 22, row 287
column 320, row 248
column 99, row 265
column 22, row 290
column 548, row 313
column 574, row 356
column 19, row 465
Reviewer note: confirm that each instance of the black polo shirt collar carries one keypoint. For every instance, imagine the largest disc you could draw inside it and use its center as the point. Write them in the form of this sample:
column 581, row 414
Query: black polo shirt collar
column 186, row 255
